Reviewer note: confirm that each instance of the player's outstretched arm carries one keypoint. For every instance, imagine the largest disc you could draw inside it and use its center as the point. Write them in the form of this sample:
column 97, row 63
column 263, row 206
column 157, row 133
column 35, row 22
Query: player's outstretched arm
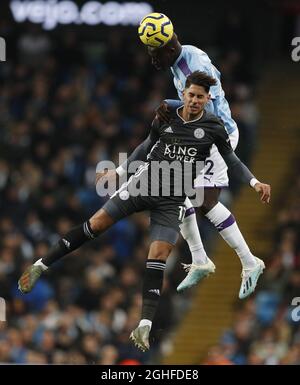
column 140, row 153
column 244, row 174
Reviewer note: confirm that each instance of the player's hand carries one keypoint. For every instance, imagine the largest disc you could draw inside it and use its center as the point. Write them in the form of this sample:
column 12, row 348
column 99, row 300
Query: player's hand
column 264, row 191
column 163, row 113
column 107, row 175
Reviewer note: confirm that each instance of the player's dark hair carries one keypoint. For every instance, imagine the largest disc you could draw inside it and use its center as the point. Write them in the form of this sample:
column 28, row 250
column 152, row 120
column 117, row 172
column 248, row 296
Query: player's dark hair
column 200, row 79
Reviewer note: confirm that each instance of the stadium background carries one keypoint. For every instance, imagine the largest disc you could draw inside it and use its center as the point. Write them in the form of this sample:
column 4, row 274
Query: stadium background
column 78, row 94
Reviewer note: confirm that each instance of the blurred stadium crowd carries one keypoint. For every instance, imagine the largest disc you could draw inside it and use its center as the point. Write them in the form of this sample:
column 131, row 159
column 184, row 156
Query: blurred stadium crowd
column 266, row 329
column 64, row 106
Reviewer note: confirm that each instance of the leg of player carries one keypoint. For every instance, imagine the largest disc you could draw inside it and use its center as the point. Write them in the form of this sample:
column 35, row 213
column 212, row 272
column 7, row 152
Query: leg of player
column 152, row 286
column 225, row 223
column 201, row 265
column 75, row 238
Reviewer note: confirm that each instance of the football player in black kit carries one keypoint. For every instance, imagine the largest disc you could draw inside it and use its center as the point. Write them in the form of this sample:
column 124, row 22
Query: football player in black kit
column 187, row 139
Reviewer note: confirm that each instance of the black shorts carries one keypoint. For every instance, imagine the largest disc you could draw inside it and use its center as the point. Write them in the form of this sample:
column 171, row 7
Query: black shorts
column 166, row 213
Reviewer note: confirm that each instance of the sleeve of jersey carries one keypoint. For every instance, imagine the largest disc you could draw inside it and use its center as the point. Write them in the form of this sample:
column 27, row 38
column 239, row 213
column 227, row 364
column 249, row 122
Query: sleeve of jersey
column 222, row 140
column 238, row 168
column 140, row 153
column 196, row 63
column 173, row 104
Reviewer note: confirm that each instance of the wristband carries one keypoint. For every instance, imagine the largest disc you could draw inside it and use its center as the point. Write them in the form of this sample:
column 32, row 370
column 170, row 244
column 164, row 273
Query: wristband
column 253, row 182
column 120, row 171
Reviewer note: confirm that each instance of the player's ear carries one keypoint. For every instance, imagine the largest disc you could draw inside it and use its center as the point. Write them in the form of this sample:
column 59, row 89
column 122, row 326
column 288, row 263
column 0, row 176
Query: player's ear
column 208, row 97
column 170, row 52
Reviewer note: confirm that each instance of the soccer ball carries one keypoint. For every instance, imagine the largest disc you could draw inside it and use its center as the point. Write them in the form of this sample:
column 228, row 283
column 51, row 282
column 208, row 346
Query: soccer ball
column 155, row 30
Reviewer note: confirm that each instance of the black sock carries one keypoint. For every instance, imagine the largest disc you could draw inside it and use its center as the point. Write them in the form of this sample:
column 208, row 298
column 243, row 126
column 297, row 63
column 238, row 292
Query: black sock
column 152, row 286
column 70, row 242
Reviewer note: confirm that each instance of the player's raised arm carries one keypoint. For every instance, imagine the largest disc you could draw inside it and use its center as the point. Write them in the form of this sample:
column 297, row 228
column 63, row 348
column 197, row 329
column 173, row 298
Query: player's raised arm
column 141, row 152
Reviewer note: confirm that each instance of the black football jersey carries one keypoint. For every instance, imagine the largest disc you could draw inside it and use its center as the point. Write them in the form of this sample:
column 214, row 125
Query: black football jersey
column 180, row 143
column 188, row 141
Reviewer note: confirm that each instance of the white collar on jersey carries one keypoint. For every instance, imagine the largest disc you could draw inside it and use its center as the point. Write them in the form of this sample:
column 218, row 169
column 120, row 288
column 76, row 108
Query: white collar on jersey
column 188, row 121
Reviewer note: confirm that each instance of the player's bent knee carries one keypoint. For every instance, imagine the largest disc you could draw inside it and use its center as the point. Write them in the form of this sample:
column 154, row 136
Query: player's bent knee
column 101, row 221
column 207, row 206
column 160, row 250
column 211, row 199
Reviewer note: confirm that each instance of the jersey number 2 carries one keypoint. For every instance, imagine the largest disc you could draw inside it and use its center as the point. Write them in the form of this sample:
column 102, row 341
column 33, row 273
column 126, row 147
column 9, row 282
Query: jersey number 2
column 210, row 164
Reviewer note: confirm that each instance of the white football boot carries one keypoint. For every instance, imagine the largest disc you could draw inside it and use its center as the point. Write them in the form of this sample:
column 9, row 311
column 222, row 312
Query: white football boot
column 195, row 274
column 250, row 278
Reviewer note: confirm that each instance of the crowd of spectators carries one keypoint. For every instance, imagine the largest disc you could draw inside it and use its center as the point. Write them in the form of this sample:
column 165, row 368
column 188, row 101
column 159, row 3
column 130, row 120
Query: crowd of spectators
column 266, row 329
column 66, row 104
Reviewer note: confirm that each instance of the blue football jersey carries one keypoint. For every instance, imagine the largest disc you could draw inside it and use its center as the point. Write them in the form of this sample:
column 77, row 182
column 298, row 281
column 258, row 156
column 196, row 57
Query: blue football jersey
column 194, row 59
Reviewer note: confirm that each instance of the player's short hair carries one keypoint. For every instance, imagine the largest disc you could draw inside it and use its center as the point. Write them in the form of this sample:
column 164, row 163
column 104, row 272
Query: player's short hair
column 200, row 79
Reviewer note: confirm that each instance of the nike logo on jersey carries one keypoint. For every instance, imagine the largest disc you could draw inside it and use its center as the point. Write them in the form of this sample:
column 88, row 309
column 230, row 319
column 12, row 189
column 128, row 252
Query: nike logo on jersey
column 169, row 130
column 155, row 291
